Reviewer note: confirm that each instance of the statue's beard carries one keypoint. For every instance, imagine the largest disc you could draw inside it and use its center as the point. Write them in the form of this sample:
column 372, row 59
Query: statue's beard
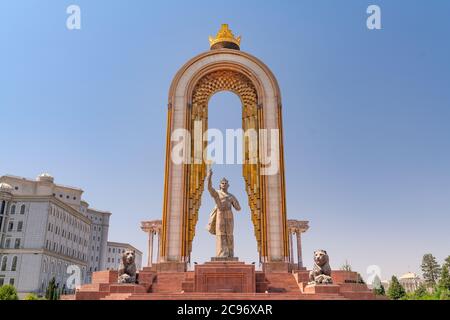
column 224, row 189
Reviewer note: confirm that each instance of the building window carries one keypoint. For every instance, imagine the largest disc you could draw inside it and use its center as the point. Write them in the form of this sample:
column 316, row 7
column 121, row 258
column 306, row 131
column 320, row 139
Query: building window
column 10, row 226
column 4, row 262
column 11, row 281
column 2, row 281
column 13, row 209
column 7, row 243
column 17, row 244
column 22, row 209
column 20, row 226
column 14, row 264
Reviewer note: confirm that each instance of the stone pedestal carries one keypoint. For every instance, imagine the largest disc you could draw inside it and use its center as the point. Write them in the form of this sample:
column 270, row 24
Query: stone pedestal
column 322, row 288
column 225, row 277
column 224, row 259
column 170, row 267
column 276, row 267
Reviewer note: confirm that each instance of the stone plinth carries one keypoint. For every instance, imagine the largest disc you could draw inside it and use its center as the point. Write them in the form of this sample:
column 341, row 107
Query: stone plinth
column 322, row 288
column 170, row 267
column 341, row 276
column 224, row 259
column 107, row 276
column 225, row 276
column 276, row 267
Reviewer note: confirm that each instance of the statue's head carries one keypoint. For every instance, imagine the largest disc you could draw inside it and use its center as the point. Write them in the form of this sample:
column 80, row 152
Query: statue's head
column 321, row 257
column 128, row 257
column 224, row 184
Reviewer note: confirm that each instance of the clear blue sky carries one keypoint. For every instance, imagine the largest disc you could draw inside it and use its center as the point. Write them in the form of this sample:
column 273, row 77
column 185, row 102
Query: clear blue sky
column 366, row 114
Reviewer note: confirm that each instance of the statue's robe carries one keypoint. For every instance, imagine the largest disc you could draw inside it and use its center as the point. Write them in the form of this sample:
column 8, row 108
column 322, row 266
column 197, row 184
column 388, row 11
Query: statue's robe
column 221, row 222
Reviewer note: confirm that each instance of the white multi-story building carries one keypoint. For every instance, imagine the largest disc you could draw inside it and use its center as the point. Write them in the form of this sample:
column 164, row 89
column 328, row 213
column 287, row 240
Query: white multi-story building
column 98, row 238
column 44, row 229
column 114, row 255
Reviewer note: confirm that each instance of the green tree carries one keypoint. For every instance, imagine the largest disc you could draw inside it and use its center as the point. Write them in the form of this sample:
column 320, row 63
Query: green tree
column 447, row 262
column 421, row 291
column 8, row 292
column 430, row 269
column 396, row 290
column 50, row 293
column 31, row 296
column 378, row 287
column 444, row 279
column 445, row 295
column 379, row 291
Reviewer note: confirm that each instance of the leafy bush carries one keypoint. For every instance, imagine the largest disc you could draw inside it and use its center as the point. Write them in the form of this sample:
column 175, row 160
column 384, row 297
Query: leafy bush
column 8, row 292
column 31, row 296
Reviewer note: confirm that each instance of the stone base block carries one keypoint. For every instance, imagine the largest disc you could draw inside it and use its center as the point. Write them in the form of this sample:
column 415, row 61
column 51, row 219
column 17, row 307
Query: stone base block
column 225, row 277
column 277, row 267
column 107, row 276
column 170, row 267
column 224, row 259
column 127, row 288
column 321, row 288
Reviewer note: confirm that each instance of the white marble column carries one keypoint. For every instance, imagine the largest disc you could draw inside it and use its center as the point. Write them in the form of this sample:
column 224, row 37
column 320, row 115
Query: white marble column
column 291, row 258
column 150, row 249
column 159, row 244
column 299, row 249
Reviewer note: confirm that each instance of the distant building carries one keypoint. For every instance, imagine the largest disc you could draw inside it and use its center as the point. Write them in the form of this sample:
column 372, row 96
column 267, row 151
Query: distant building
column 114, row 255
column 410, row 281
column 44, row 229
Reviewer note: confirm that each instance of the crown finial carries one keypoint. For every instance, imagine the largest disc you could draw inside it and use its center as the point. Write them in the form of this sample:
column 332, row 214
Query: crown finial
column 224, row 39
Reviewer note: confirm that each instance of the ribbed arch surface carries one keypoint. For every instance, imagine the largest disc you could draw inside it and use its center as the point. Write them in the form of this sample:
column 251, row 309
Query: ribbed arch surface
column 206, row 87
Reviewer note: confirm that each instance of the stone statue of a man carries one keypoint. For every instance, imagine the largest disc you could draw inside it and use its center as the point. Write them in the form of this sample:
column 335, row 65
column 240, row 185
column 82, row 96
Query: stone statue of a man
column 221, row 218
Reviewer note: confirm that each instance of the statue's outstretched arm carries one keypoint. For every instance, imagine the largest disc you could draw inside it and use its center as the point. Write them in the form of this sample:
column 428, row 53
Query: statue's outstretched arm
column 211, row 190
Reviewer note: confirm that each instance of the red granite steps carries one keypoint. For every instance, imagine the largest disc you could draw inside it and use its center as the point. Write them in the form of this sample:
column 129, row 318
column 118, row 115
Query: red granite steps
column 117, row 296
column 235, row 296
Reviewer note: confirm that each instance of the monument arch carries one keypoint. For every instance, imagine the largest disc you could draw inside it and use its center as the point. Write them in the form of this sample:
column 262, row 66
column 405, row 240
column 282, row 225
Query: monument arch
column 224, row 68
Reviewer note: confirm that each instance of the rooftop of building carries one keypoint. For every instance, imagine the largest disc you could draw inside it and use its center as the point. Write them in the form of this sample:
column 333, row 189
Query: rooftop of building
column 123, row 245
column 40, row 178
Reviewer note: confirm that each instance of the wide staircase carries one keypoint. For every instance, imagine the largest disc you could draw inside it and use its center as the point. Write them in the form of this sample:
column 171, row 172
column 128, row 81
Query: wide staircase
column 180, row 286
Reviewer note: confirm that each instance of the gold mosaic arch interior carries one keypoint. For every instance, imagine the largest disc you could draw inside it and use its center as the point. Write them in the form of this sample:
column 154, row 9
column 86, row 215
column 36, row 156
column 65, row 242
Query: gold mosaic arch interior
column 224, row 80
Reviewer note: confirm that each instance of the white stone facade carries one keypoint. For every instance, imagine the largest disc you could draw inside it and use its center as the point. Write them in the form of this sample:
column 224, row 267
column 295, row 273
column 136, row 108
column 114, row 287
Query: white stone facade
column 44, row 229
column 114, row 255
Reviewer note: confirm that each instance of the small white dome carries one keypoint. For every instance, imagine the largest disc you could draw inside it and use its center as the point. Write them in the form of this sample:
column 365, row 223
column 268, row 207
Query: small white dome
column 5, row 187
column 409, row 275
column 45, row 177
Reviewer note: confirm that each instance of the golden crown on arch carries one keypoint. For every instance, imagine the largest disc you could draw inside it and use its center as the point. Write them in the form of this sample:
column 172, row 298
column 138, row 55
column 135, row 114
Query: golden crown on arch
column 224, row 35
